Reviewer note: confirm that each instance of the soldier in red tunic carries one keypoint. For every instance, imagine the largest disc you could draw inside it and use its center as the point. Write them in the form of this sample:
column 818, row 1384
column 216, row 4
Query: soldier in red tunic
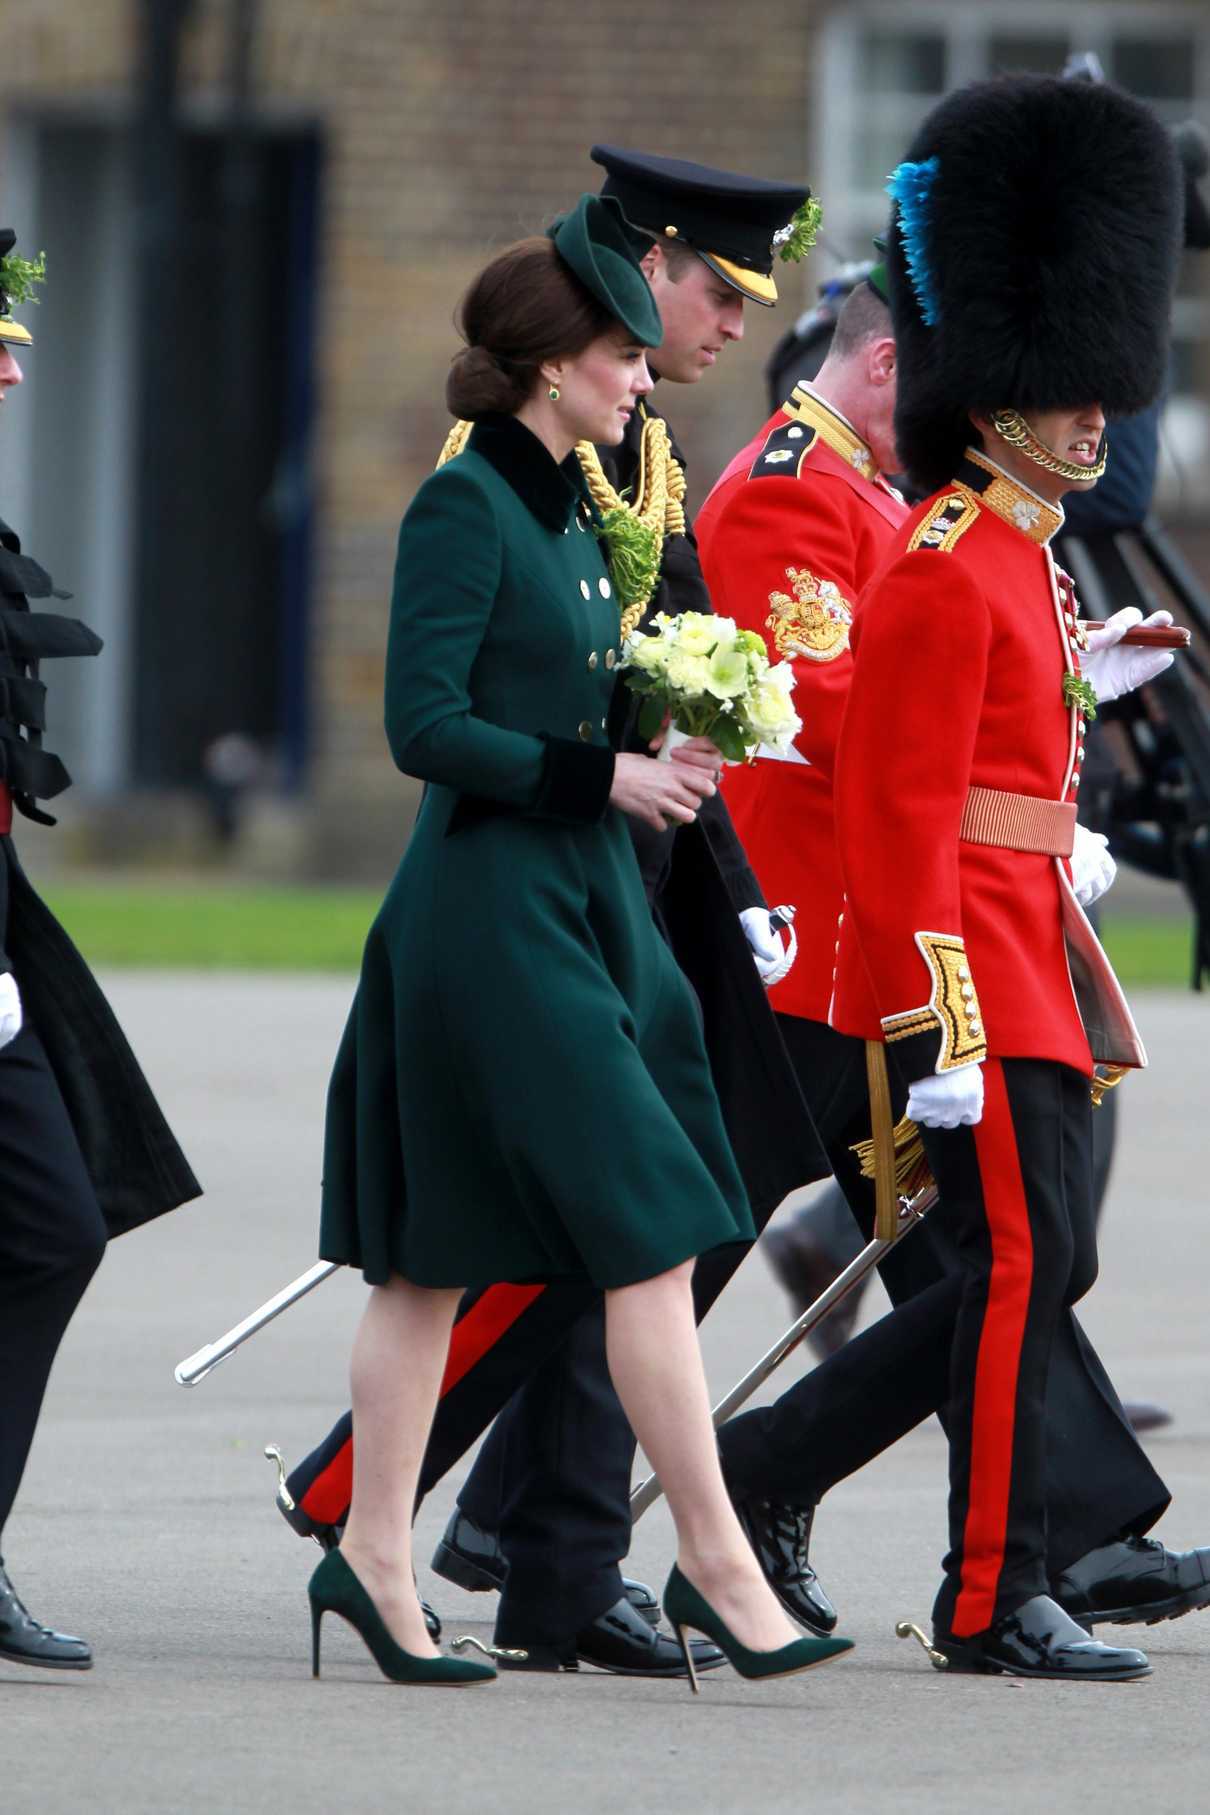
column 962, row 945
column 799, row 522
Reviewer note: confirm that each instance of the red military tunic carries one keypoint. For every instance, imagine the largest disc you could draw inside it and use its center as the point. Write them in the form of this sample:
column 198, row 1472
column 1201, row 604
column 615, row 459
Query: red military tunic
column 953, row 948
column 789, row 536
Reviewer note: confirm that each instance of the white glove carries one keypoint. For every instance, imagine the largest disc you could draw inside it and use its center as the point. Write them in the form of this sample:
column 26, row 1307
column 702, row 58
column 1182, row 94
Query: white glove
column 947, row 1099
column 10, row 1008
column 1114, row 671
column 1092, row 868
column 771, row 958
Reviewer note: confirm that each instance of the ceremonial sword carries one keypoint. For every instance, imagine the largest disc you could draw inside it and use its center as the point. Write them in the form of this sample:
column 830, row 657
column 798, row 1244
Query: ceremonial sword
column 203, row 1361
column 911, row 1211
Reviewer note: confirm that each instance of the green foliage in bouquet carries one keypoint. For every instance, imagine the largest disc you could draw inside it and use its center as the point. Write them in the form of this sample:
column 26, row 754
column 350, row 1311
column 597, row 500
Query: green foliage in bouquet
column 20, row 277
column 712, row 680
column 633, row 551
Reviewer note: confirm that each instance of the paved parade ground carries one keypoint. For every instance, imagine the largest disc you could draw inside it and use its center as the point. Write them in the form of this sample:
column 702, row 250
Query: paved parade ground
column 147, row 1522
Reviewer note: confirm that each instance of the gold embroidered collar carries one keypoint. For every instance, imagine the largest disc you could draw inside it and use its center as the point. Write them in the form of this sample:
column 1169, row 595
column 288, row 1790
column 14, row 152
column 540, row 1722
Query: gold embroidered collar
column 806, row 405
column 1008, row 498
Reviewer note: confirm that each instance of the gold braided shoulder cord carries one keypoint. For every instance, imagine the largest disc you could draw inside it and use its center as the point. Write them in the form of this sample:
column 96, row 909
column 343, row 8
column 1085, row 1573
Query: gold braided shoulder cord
column 659, row 491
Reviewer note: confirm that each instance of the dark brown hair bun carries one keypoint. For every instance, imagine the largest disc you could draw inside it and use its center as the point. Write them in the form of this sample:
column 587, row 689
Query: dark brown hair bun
column 525, row 307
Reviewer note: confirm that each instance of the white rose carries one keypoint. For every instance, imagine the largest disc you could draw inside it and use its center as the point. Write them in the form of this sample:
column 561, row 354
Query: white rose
column 689, row 674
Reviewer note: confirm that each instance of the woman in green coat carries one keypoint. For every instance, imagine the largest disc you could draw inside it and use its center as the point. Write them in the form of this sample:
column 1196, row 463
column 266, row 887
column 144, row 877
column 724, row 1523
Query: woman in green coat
column 522, row 1090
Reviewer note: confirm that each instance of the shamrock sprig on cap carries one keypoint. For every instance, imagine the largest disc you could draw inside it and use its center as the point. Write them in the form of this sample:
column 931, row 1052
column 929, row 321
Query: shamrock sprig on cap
column 796, row 238
column 20, row 277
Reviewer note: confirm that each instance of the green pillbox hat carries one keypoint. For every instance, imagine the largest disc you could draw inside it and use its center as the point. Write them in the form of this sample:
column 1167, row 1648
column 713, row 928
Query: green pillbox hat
column 598, row 243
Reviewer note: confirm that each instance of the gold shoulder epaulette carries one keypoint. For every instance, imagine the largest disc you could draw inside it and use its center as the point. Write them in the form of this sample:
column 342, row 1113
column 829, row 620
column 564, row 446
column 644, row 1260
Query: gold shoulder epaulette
column 941, row 529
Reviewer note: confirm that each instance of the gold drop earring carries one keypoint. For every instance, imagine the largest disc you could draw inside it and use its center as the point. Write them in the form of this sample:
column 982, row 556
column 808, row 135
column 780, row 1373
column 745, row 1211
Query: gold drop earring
column 553, row 393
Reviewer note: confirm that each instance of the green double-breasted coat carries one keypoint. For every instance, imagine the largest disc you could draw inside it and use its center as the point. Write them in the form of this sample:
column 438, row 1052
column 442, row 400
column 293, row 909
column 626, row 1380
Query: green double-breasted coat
column 522, row 1089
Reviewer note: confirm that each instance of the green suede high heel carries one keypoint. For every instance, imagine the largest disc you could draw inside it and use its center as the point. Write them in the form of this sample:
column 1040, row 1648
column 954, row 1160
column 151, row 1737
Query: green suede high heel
column 335, row 1589
column 684, row 1607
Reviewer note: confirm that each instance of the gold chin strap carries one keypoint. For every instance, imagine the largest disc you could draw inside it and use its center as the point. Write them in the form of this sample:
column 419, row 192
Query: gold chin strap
column 1012, row 427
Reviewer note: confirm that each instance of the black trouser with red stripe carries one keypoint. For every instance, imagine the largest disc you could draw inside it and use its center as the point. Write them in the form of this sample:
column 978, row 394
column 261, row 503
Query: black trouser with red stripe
column 1017, row 1196
column 1099, row 1482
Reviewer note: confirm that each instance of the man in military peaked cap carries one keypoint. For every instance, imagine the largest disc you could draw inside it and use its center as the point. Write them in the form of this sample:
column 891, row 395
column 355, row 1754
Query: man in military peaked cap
column 84, row 1150
column 545, row 1513
column 735, row 224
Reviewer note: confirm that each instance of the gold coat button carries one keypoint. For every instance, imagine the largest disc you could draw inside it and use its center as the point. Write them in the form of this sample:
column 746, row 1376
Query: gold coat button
column 585, row 730
column 611, row 656
column 592, row 662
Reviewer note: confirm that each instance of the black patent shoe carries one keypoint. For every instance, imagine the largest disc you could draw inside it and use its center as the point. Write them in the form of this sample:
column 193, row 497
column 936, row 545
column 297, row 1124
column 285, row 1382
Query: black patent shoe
column 621, row 1641
column 1134, row 1582
column 326, row 1536
column 1039, row 1639
column 780, row 1536
column 24, row 1641
column 472, row 1558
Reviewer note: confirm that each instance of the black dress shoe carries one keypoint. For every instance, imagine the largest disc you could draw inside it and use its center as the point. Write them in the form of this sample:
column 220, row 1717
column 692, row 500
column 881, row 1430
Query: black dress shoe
column 620, row 1641
column 780, row 1536
column 1039, row 1639
column 24, row 1641
column 473, row 1559
column 1134, row 1582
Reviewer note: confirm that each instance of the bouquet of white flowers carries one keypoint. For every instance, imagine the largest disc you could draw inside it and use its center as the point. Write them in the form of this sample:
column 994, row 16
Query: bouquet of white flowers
column 714, row 680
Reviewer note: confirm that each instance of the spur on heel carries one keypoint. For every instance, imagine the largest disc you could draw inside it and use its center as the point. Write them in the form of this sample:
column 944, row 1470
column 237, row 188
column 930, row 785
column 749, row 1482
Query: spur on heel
column 334, row 1588
column 685, row 1607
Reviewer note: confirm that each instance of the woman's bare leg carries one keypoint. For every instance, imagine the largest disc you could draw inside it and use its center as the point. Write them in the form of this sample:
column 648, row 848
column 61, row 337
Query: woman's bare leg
column 399, row 1356
column 656, row 1366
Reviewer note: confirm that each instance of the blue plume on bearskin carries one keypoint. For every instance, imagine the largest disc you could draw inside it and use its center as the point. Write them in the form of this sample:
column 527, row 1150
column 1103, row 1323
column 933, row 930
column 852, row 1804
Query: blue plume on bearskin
column 908, row 185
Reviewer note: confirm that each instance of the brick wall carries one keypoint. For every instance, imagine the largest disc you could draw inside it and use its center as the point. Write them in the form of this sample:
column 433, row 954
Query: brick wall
column 449, row 130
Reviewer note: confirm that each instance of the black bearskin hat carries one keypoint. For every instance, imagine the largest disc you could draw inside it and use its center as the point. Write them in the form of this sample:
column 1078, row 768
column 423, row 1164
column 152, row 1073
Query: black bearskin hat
column 1031, row 259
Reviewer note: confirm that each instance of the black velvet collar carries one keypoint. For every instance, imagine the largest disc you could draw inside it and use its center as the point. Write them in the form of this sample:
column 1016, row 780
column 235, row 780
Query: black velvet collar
column 550, row 491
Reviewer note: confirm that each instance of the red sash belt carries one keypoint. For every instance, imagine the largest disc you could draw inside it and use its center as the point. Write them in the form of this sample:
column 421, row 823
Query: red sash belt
column 1019, row 822
column 6, row 810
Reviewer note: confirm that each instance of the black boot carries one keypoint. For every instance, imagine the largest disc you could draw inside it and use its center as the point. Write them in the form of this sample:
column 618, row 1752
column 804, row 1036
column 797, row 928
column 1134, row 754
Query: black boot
column 24, row 1641
column 1039, row 1639
column 1134, row 1581
column 472, row 1559
column 620, row 1640
column 780, row 1536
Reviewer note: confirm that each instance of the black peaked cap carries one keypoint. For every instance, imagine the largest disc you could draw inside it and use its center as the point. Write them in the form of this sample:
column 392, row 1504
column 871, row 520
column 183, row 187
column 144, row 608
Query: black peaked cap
column 726, row 217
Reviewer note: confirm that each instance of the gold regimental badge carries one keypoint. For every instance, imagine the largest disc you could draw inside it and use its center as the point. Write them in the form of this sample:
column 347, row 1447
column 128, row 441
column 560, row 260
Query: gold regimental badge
column 815, row 622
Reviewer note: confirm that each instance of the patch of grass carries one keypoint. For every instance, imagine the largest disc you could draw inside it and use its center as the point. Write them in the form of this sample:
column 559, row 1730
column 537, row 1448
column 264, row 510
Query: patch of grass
column 211, row 927
column 221, row 927
column 1148, row 952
